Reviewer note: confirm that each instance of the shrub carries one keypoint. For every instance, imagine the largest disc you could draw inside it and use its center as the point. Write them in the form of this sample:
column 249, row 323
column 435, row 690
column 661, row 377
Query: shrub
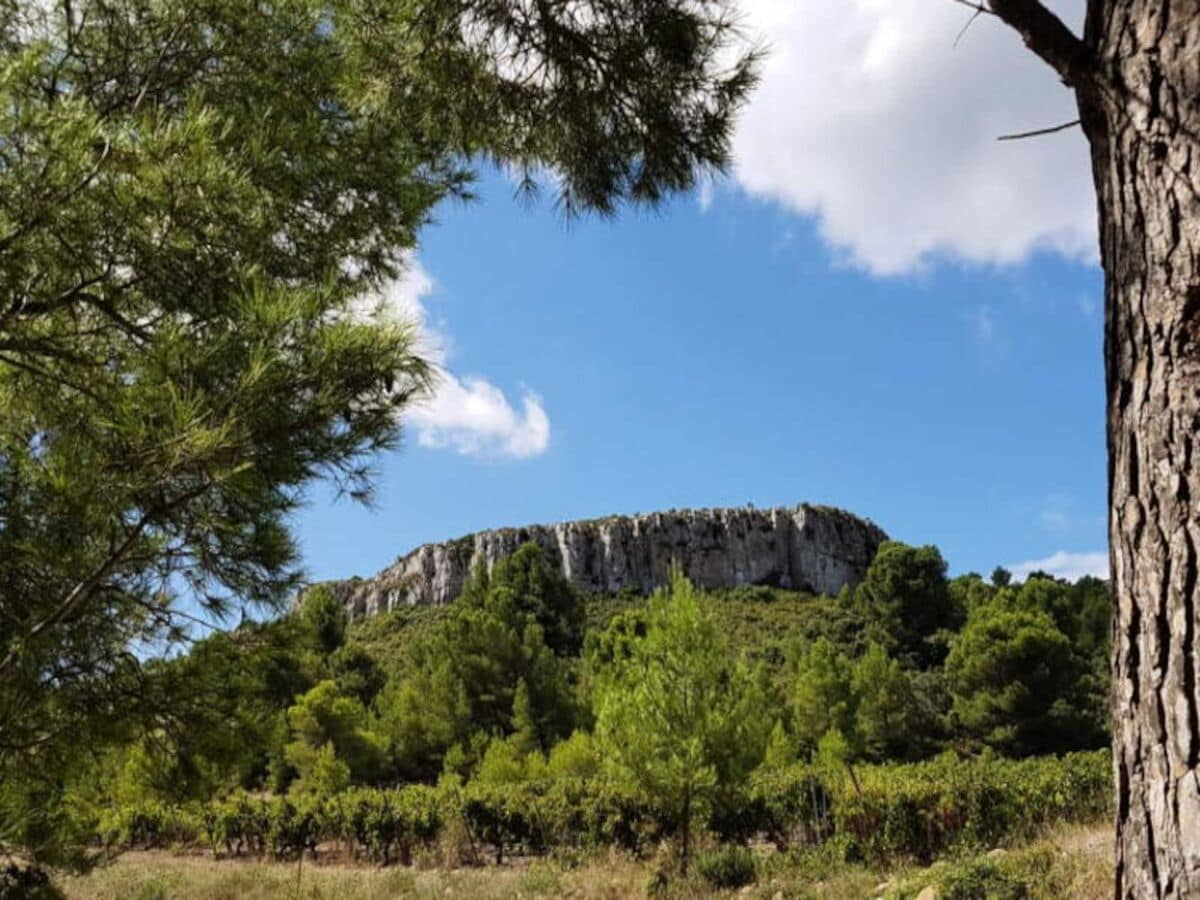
column 502, row 815
column 727, row 867
column 380, row 822
column 236, row 824
column 919, row 810
column 292, row 827
column 984, row 881
column 26, row 883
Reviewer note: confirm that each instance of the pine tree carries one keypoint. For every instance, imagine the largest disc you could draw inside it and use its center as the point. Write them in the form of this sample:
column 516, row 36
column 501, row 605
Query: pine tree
column 677, row 719
column 200, row 203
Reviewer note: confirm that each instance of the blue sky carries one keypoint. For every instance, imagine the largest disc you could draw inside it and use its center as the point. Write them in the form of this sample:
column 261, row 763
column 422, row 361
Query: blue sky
column 917, row 342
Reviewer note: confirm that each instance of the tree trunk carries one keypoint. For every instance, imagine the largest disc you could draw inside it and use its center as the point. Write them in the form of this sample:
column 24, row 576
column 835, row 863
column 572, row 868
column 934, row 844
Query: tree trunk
column 1141, row 114
column 686, row 838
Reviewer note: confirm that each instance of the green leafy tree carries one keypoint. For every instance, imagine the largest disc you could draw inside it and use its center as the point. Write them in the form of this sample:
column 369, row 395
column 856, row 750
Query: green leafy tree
column 1014, row 680
column 356, row 673
column 906, row 593
column 871, row 703
column 823, row 697
column 576, row 757
column 325, row 775
column 198, row 202
column 422, row 715
column 527, row 585
column 324, row 619
column 887, row 720
column 524, row 726
column 676, row 717
column 781, row 748
column 324, row 717
column 491, row 661
column 970, row 591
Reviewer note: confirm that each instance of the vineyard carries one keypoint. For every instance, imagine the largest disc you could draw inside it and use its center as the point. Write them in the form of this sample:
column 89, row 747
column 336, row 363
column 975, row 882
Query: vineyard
column 881, row 814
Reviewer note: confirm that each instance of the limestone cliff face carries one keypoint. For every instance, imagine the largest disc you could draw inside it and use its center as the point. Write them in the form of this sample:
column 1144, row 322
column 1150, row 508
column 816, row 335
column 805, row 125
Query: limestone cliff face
column 805, row 547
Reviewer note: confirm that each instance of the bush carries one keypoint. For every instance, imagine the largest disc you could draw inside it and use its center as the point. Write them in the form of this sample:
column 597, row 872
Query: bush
column 504, row 816
column 1020, row 876
column 984, row 881
column 727, row 867
column 26, row 883
column 786, row 806
column 919, row 810
column 151, row 825
column 379, row 822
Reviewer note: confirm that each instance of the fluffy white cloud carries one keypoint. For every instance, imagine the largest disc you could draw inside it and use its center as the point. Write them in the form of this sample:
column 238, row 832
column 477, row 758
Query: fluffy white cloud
column 1067, row 565
column 869, row 118
column 474, row 417
column 468, row 414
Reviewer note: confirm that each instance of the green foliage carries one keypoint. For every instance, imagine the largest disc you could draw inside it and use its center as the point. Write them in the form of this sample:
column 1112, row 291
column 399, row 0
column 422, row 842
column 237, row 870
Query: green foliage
column 26, row 883
column 1026, row 874
column 781, row 749
column 893, row 813
column 423, row 716
column 727, row 867
column 575, row 758
column 786, row 805
column 984, row 880
column 676, row 718
column 198, row 203
column 870, row 703
column 888, row 721
column 323, row 619
column 920, row 810
column 381, row 823
column 1016, row 682
column 322, row 774
column 905, row 592
column 505, row 816
column 330, row 731
column 356, row 673
column 509, row 761
column 528, row 586
column 488, row 668
column 823, row 699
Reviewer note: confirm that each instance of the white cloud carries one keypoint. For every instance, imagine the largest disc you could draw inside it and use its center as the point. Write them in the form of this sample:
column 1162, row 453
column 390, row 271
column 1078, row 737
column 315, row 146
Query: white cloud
column 474, row 417
column 1064, row 564
column 870, row 119
column 466, row 413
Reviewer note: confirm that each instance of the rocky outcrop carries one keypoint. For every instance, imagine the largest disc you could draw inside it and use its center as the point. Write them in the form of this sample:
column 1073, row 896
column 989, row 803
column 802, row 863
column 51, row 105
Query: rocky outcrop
column 811, row 548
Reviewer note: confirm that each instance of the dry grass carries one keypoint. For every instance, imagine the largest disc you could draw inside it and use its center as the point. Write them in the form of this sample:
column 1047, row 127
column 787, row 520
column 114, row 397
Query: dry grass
column 1080, row 868
column 158, row 876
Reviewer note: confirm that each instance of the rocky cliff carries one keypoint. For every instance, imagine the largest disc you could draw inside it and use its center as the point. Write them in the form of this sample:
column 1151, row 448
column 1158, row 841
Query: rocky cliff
column 811, row 548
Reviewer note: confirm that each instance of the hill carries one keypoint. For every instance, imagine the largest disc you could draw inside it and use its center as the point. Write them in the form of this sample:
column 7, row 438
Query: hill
column 808, row 548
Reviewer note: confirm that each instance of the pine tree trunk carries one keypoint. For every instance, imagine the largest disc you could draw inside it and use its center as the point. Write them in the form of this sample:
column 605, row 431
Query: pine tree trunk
column 1142, row 119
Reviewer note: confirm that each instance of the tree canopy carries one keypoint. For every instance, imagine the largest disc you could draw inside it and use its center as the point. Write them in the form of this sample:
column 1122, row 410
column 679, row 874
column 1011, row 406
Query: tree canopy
column 676, row 716
column 199, row 203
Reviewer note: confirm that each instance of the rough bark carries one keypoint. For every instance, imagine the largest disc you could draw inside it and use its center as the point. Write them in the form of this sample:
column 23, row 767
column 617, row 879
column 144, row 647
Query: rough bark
column 1141, row 114
column 1136, row 75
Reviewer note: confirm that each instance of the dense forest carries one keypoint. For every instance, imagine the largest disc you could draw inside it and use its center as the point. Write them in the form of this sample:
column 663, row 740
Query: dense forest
column 623, row 719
